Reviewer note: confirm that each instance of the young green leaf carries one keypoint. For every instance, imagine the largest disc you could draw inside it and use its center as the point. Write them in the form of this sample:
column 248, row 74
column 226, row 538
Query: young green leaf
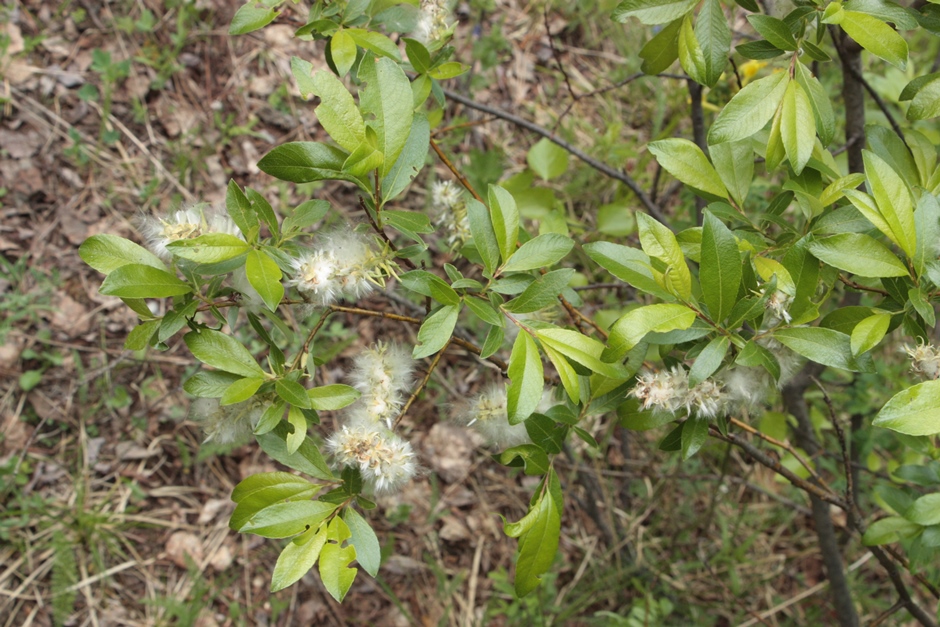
column 799, row 136
column 691, row 57
column 720, row 270
column 734, row 163
column 538, row 534
column 893, row 200
column 305, row 162
column 876, row 37
column 265, row 276
column 662, row 50
column 251, row 17
column 773, row 30
column 709, row 360
column 240, row 390
column 824, row 346
column 636, row 323
column 694, row 435
column 819, row 101
column 335, row 572
column 714, row 37
column 306, row 459
column 547, row 159
column 888, row 530
column 542, row 251
column 652, row 11
column 912, row 411
column 337, row 111
column 436, row 331
column 223, row 352
column 580, row 349
column 363, row 538
column 525, row 378
column 925, row 511
column 542, row 292
column 410, row 161
column 630, row 265
column 686, row 161
column 430, row 285
column 659, row 242
column 484, row 237
column 567, row 374
column 136, row 280
column 298, row 557
column 869, row 332
column 484, row 311
column 375, row 42
column 505, row 220
column 283, row 520
column 332, row 397
column 343, row 51
column 749, row 110
column 298, row 436
column 926, row 104
column 388, row 97
column 859, row 254
column 106, row 253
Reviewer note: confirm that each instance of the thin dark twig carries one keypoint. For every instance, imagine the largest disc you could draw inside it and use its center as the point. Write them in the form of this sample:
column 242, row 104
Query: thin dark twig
column 623, row 177
column 864, row 288
column 453, row 169
column 381, row 233
column 557, row 55
column 843, row 446
column 422, row 384
column 881, row 618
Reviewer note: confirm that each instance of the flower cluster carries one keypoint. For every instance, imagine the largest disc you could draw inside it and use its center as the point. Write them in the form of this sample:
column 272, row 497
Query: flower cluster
column 382, row 374
column 487, row 414
column 433, row 23
column 227, row 424
column 385, row 460
column 364, row 439
column 187, row 223
column 669, row 391
column 925, row 360
column 342, row 264
column 450, row 211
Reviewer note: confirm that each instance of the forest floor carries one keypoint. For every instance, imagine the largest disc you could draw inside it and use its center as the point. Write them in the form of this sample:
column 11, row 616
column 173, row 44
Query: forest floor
column 113, row 512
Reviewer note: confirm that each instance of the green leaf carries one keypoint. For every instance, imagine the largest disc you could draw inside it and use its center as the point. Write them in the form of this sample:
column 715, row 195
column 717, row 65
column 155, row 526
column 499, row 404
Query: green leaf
column 298, row 558
column 659, row 242
column 306, row 459
column 580, row 349
column 337, row 111
column 251, row 17
column 270, row 418
column 418, row 55
column 926, row 104
column 567, row 374
column 388, row 97
column 542, row 251
column 295, row 438
column 139, row 337
column 547, row 159
column 859, row 254
column 893, row 200
column 335, row 572
column 484, row 311
column 819, row 101
column 293, row 393
column 363, row 538
column 888, row 530
column 630, row 265
column 265, row 276
column 306, row 162
column 375, row 42
column 662, row 50
column 876, row 37
column 714, row 37
column 240, row 390
column 799, row 136
column 525, row 378
column 430, row 285
column 756, row 356
column 691, row 57
column 636, row 323
column 410, row 161
column 652, row 11
column 505, row 220
column 912, row 411
column 686, row 161
column 758, row 50
column 538, row 532
column 209, row 383
column 869, row 332
column 106, row 253
column 136, row 280
column 436, row 331
column 749, row 110
column 694, row 435
column 542, row 292
column 545, row 433
column 773, row 30
column 734, row 163
column 927, row 223
column 925, row 511
column 223, row 352
column 283, row 520
column 239, row 208
column 484, row 237
column 332, row 397
column 263, row 490
column 366, row 157
column 493, row 342
column 824, row 346
column 343, row 51
column 709, row 360
column 720, row 270
column 834, row 191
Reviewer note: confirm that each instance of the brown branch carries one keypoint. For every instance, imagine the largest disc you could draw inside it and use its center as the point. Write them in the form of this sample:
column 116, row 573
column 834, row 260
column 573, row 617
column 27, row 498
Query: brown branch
column 421, row 385
column 381, row 233
column 453, row 169
column 864, row 288
column 785, row 446
column 623, row 177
